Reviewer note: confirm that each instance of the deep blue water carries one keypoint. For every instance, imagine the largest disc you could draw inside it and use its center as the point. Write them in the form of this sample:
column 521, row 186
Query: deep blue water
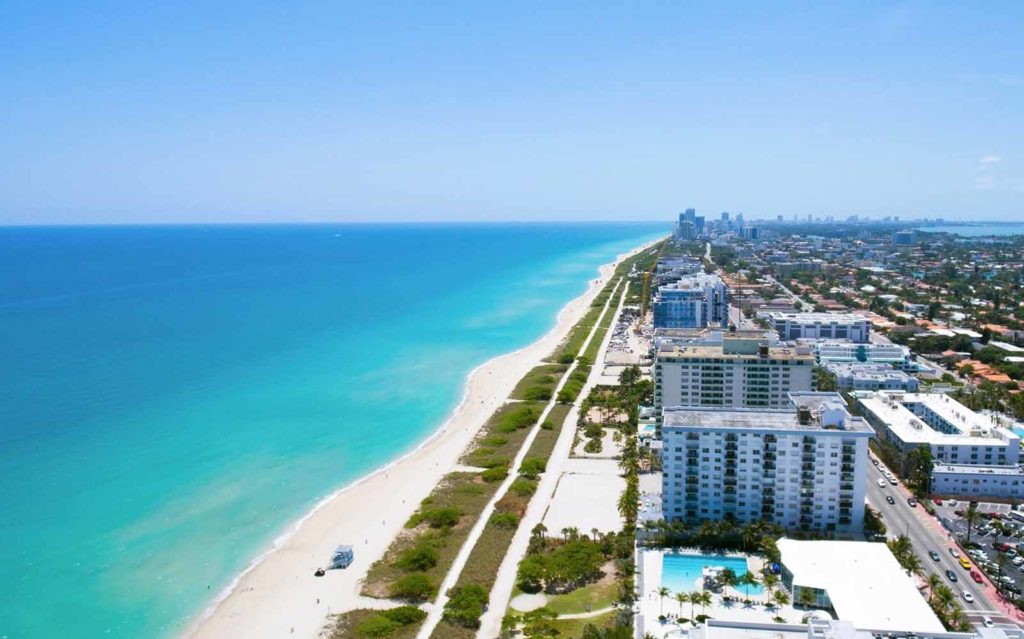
column 982, row 229
column 172, row 397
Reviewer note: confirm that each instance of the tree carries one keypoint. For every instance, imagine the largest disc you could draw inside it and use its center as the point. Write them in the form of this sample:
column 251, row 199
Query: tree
column 695, row 598
column 934, row 581
column 747, row 580
column 781, row 597
column 728, row 578
column 415, row 586
column 662, row 593
column 770, row 581
column 971, row 517
column 704, row 601
column 465, row 605
column 806, row 598
column 682, row 598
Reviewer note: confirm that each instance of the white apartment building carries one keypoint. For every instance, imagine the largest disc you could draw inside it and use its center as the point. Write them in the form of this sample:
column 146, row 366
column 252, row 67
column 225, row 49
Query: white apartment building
column 956, row 434
column 978, row 482
column 832, row 326
column 871, row 377
column 894, row 355
column 735, row 371
column 803, row 467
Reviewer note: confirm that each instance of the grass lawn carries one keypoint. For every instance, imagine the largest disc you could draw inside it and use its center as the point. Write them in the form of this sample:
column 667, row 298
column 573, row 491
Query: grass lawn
column 574, row 627
column 598, row 595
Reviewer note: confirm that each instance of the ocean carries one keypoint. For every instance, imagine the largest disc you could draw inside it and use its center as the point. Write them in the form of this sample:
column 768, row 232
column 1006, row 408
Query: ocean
column 981, row 229
column 172, row 397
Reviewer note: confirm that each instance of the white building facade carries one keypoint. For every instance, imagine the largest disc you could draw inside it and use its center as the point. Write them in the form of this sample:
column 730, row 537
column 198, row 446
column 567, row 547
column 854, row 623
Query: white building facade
column 894, row 355
column 802, row 467
column 1003, row 483
column 871, row 377
column 735, row 372
column 830, row 326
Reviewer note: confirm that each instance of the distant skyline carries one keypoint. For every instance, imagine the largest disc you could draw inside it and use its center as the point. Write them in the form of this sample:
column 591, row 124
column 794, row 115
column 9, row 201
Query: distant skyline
column 457, row 111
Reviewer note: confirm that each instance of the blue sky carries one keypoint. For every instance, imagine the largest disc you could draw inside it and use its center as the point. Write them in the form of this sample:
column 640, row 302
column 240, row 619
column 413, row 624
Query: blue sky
column 261, row 111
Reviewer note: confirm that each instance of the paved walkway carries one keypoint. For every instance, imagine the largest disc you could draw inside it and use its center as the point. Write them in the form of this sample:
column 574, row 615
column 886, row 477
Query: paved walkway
column 501, row 593
column 437, row 608
column 588, row 615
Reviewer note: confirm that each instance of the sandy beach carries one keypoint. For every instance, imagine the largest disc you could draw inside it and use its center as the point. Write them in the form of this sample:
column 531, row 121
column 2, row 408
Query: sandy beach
column 278, row 594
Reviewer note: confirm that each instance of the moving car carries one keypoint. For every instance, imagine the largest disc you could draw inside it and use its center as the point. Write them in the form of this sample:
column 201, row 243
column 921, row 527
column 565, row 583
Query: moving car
column 889, row 499
column 987, row 622
column 881, row 483
column 966, row 565
column 955, row 553
column 892, row 481
column 951, row 575
column 934, row 555
column 968, row 597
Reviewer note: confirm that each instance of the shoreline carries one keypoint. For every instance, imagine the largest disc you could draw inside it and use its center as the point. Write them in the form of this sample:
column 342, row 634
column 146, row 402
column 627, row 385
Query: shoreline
column 277, row 593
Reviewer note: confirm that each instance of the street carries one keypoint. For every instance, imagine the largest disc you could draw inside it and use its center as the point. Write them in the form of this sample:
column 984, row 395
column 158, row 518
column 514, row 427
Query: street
column 902, row 519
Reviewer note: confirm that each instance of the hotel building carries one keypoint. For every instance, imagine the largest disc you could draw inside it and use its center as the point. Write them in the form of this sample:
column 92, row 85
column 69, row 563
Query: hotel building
column 694, row 301
column 803, row 467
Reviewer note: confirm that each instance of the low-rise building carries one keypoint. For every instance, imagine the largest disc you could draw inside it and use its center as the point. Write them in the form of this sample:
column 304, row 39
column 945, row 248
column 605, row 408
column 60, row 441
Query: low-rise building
column 831, row 326
column 1004, row 483
column 803, row 467
column 860, row 582
column 956, row 434
column 893, row 355
column 851, row 377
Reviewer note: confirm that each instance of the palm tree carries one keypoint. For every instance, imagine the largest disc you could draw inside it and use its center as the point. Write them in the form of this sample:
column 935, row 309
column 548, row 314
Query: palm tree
column 944, row 597
column 770, row 581
column 781, row 597
column 747, row 580
column 681, row 598
column 912, row 564
column 727, row 577
column 955, row 616
column 695, row 598
column 705, row 601
column 663, row 592
column 971, row 517
column 807, row 598
column 934, row 581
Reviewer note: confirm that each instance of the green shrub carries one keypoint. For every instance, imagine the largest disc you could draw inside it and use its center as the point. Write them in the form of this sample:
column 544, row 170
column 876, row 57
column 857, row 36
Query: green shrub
column 497, row 473
column 505, row 520
column 415, row 586
column 593, row 446
column 405, row 615
column 442, row 517
column 419, row 558
column 535, row 393
column 465, row 606
column 494, row 440
column 548, row 424
column 566, row 358
column 493, row 462
column 377, row 626
column 523, row 487
column 532, row 467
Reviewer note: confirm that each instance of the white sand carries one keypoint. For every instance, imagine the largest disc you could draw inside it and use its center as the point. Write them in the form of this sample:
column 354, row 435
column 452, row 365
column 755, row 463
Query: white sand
column 278, row 594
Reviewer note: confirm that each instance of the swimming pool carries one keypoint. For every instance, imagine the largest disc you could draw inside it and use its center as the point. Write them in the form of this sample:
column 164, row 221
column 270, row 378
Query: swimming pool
column 681, row 572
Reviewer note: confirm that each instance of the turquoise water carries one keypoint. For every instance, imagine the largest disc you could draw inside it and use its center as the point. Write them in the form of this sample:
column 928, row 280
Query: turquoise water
column 172, row 397
column 977, row 230
column 680, row 572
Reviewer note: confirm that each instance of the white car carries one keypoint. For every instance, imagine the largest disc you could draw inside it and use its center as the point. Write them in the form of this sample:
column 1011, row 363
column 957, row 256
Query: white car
column 881, row 483
column 892, row 481
column 968, row 597
column 987, row 622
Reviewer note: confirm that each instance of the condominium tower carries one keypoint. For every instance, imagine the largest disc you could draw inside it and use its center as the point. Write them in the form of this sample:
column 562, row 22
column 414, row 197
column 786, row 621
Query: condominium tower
column 802, row 467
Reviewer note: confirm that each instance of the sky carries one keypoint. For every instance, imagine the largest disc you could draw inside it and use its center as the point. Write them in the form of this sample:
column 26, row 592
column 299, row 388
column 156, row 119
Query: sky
column 420, row 111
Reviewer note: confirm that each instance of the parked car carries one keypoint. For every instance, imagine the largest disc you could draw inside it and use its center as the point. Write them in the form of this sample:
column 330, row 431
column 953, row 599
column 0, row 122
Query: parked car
column 874, row 461
column 938, row 502
column 881, row 483
column 1000, row 546
column 1018, row 561
column 911, row 501
column 951, row 576
column 955, row 553
column 966, row 565
column 934, row 555
column 968, row 597
column 892, row 482
column 976, row 576
column 889, row 499
column 951, row 502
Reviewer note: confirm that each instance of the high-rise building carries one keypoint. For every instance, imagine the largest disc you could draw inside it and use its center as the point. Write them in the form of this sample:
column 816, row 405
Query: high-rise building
column 725, row 217
column 803, row 467
column 738, row 371
column 694, row 301
column 903, row 238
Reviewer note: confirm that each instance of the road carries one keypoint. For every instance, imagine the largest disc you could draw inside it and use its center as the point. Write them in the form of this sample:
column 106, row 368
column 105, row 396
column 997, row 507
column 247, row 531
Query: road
column 902, row 519
column 799, row 303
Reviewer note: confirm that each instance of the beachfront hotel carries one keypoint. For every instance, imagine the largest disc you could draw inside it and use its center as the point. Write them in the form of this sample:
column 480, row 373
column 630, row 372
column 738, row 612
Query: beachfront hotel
column 729, row 370
column 802, row 467
column 694, row 301
column 893, row 355
column 831, row 326
column 871, row 377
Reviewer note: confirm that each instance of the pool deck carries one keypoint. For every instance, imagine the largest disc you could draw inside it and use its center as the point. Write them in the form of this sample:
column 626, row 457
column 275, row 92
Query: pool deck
column 651, row 606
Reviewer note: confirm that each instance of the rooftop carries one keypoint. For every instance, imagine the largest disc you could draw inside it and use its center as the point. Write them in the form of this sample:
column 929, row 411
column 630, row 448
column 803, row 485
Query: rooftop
column 825, row 412
column 978, row 470
column 817, row 318
column 891, row 407
column 865, row 583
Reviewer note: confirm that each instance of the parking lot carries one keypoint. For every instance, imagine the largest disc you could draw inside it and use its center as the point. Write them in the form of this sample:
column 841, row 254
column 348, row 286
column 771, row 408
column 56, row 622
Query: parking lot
column 985, row 533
